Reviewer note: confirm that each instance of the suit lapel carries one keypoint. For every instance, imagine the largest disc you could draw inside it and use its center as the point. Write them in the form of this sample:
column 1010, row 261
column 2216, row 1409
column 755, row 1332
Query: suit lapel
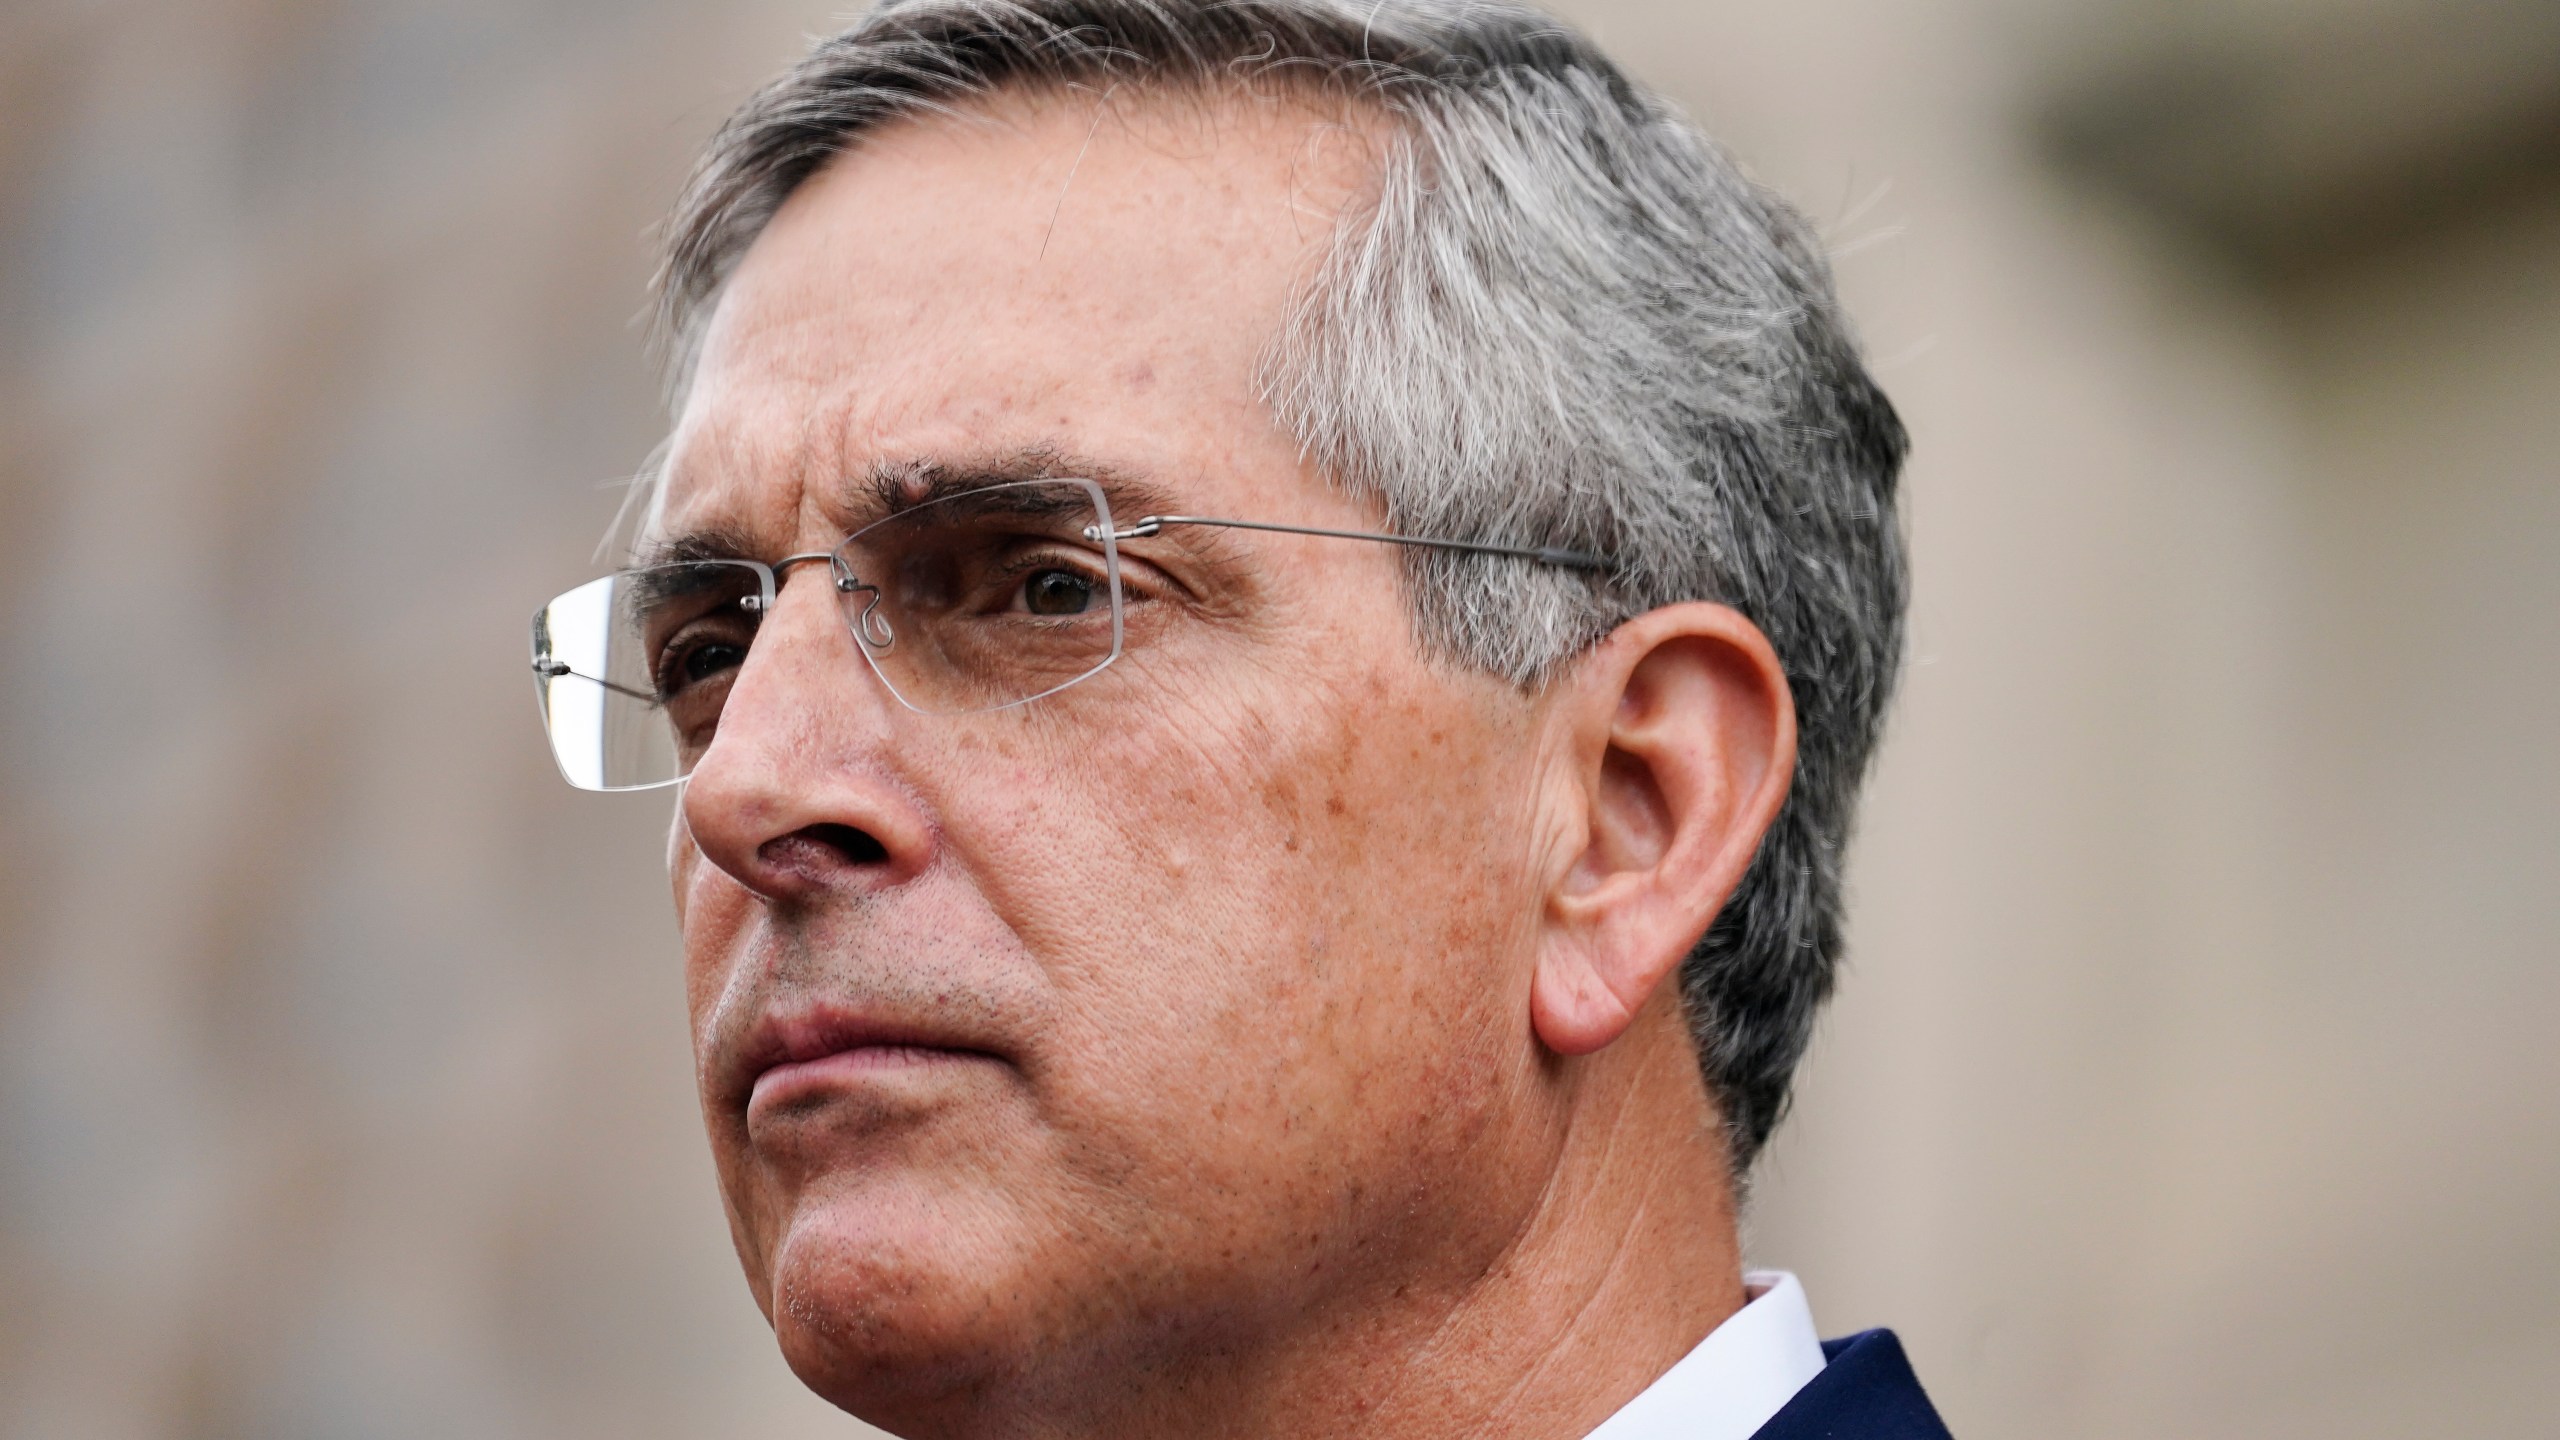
column 1865, row 1392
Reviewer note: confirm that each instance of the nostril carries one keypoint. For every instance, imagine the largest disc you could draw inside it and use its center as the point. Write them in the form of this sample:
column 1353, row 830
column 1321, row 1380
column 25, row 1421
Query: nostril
column 856, row 846
column 814, row 847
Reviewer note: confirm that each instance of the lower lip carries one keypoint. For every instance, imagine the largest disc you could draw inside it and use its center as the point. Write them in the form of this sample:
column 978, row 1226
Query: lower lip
column 802, row 1079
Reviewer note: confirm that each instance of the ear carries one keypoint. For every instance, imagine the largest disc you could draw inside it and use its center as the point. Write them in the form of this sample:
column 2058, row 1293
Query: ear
column 1679, row 739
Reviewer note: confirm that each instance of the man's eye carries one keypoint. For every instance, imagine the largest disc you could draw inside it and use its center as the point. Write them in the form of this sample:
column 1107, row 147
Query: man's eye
column 690, row 663
column 1058, row 592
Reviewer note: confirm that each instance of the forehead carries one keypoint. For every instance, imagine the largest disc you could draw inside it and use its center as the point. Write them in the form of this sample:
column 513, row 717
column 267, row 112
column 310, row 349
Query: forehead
column 1073, row 275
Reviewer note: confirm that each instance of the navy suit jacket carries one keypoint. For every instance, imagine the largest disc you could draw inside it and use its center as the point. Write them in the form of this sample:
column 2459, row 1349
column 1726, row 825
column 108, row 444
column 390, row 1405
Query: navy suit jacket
column 1866, row 1391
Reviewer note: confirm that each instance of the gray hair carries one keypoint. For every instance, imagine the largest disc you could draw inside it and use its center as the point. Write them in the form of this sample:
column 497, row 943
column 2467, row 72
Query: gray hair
column 1566, row 319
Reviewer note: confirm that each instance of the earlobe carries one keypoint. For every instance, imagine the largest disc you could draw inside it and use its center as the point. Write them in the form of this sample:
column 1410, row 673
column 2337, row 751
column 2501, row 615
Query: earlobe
column 1680, row 743
column 1571, row 1006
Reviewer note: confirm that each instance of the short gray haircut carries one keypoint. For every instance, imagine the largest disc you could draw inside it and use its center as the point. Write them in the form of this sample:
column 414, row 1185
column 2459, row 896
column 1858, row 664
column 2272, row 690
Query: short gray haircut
column 1566, row 318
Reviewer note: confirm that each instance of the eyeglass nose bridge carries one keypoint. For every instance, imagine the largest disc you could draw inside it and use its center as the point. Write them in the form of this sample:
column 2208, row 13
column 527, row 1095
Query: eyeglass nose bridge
column 870, row 626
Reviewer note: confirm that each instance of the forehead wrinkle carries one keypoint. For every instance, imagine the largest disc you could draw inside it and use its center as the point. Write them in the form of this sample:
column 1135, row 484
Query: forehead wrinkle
column 753, row 470
column 804, row 446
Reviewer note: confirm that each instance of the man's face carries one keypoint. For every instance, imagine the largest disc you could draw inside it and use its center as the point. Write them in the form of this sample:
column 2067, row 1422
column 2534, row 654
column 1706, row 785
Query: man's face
column 1182, row 1006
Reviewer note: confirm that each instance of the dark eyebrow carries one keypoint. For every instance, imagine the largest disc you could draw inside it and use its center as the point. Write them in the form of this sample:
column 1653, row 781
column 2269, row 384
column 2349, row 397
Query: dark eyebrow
column 711, row 542
column 889, row 487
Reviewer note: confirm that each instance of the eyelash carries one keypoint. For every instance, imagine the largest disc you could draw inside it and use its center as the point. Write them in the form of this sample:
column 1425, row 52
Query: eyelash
column 671, row 656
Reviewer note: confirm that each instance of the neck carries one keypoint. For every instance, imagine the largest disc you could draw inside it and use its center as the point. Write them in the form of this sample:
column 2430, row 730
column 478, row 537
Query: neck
column 1611, row 1270
column 1629, row 1258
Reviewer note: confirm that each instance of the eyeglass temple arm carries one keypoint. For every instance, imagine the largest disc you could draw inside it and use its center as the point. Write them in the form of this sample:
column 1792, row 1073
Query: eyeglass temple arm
column 1543, row 554
column 552, row 670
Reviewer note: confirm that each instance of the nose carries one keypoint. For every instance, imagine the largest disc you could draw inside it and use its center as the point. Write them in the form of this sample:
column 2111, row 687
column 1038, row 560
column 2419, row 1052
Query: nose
column 797, row 795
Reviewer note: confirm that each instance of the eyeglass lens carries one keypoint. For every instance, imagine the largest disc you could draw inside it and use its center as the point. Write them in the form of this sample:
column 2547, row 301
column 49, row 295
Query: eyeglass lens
column 975, row 601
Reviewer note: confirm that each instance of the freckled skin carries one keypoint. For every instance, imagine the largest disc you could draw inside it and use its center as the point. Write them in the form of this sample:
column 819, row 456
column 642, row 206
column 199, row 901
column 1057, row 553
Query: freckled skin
column 1249, row 922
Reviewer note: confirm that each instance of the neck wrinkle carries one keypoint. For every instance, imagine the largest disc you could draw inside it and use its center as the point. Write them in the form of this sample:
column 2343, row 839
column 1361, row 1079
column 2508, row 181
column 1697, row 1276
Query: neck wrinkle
column 1628, row 1257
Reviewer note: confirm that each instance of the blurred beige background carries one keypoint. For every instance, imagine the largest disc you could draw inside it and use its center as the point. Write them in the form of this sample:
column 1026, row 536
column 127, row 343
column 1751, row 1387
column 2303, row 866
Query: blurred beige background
column 2196, row 1075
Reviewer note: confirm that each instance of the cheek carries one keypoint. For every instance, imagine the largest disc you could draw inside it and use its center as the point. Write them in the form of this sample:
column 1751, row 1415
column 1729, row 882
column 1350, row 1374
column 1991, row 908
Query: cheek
column 1406, row 836
column 711, row 911
column 1252, row 907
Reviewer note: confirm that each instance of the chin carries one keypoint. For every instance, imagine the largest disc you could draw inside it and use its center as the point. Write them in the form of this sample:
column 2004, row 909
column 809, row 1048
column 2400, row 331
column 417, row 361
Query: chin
column 895, row 1308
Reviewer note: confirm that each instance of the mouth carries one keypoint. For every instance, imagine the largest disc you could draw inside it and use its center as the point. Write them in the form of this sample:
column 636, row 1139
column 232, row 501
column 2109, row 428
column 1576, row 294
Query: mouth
column 793, row 1060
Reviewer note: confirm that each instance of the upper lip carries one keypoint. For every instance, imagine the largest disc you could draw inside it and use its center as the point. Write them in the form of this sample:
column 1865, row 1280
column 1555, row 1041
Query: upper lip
column 788, row 1037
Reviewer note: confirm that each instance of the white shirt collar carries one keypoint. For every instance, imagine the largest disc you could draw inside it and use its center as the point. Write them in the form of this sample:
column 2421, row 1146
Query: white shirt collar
column 1744, row 1372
